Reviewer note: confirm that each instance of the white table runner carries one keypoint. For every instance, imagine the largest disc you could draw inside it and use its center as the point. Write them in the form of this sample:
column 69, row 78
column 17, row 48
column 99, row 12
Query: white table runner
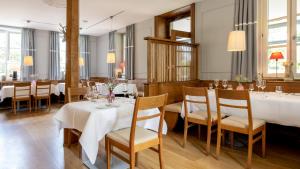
column 283, row 109
column 8, row 91
column 95, row 122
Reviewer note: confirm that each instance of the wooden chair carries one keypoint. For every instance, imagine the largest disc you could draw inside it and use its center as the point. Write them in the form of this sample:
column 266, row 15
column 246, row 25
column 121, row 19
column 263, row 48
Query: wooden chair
column 135, row 139
column 198, row 117
column 84, row 83
column 74, row 95
column 244, row 125
column 22, row 92
column 42, row 91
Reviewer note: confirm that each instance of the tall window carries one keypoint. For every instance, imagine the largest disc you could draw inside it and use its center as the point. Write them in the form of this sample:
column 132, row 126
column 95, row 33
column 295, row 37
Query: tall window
column 124, row 54
column 10, row 51
column 281, row 33
column 62, row 53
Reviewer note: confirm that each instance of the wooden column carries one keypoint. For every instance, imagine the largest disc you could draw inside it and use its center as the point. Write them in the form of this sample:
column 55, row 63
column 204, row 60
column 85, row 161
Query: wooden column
column 72, row 34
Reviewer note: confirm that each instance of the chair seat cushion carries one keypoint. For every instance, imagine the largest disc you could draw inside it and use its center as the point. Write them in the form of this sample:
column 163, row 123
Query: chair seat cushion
column 242, row 122
column 202, row 115
column 175, row 107
column 141, row 135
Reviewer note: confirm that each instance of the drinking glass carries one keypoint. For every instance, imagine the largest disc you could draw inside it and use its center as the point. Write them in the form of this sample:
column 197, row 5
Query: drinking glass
column 210, row 86
column 230, row 87
column 224, row 84
column 258, row 84
column 251, row 87
column 263, row 85
column 278, row 89
column 216, row 83
column 125, row 89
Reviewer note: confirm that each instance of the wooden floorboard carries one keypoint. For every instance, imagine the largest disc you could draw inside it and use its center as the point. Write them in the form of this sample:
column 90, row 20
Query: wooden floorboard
column 32, row 141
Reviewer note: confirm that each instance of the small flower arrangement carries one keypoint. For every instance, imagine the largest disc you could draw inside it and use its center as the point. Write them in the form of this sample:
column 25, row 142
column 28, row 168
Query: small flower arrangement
column 111, row 84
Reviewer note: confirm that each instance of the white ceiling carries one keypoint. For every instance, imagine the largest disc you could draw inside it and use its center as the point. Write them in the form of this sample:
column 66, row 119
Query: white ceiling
column 16, row 12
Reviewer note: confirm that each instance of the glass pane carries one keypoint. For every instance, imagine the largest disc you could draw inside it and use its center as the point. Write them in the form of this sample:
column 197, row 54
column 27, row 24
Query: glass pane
column 15, row 55
column 15, row 40
column 62, row 48
column 272, row 63
column 277, row 9
column 277, row 32
column 183, row 24
column 3, row 39
column 298, row 38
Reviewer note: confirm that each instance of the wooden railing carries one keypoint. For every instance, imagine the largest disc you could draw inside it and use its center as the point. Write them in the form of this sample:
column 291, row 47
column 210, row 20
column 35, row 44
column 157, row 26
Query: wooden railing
column 170, row 61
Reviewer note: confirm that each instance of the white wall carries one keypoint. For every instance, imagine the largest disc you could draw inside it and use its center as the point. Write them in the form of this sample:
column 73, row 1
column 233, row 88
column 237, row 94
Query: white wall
column 42, row 53
column 142, row 29
column 102, row 49
column 214, row 20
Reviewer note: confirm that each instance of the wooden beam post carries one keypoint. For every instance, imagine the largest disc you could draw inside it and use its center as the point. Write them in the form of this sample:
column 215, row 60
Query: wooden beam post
column 72, row 34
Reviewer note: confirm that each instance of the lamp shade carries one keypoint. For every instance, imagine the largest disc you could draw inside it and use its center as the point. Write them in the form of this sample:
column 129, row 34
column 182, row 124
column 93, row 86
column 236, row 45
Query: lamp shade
column 81, row 61
column 28, row 61
column 276, row 55
column 236, row 41
column 111, row 57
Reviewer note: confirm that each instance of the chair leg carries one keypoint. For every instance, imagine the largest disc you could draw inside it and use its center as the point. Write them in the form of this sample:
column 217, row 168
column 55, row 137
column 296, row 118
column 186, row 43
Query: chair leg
column 250, row 147
column 185, row 132
column 36, row 104
column 199, row 131
column 136, row 159
column 160, row 152
column 49, row 104
column 264, row 142
column 231, row 139
column 30, row 105
column 223, row 137
column 15, row 107
column 208, row 139
column 218, row 141
column 108, row 153
column 132, row 160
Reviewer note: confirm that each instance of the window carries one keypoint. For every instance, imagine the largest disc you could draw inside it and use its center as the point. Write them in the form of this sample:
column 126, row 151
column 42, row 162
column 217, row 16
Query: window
column 62, row 53
column 10, row 51
column 124, row 55
column 280, row 33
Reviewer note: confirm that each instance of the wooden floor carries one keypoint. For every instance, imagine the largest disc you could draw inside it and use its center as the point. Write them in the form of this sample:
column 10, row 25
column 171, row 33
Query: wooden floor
column 32, row 141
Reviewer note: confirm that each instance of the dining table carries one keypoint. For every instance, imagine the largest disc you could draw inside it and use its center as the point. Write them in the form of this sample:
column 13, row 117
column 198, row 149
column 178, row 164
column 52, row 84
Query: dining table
column 121, row 88
column 95, row 118
column 273, row 107
column 8, row 91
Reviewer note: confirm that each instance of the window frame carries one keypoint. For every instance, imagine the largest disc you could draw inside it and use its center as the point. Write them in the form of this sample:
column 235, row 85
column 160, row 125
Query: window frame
column 263, row 38
column 8, row 32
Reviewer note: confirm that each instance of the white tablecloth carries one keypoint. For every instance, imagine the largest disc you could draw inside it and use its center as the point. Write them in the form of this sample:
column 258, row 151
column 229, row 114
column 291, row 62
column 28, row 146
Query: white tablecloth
column 283, row 109
column 95, row 122
column 131, row 88
column 8, row 91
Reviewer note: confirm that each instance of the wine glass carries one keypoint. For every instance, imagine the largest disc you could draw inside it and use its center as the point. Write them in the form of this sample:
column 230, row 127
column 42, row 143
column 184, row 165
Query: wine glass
column 258, row 84
column 263, row 85
column 210, row 86
column 224, row 84
column 125, row 89
column 216, row 83
column 251, row 87
column 278, row 89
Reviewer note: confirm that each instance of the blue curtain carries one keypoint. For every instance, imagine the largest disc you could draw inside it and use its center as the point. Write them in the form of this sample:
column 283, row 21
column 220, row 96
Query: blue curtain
column 85, row 55
column 129, row 56
column 27, row 49
column 54, row 53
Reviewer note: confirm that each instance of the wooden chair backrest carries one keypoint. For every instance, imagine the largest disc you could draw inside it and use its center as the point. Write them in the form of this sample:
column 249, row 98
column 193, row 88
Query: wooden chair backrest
column 92, row 83
column 43, row 88
column 144, row 103
column 55, row 82
column 84, row 83
column 196, row 91
column 22, row 89
column 74, row 94
column 242, row 95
